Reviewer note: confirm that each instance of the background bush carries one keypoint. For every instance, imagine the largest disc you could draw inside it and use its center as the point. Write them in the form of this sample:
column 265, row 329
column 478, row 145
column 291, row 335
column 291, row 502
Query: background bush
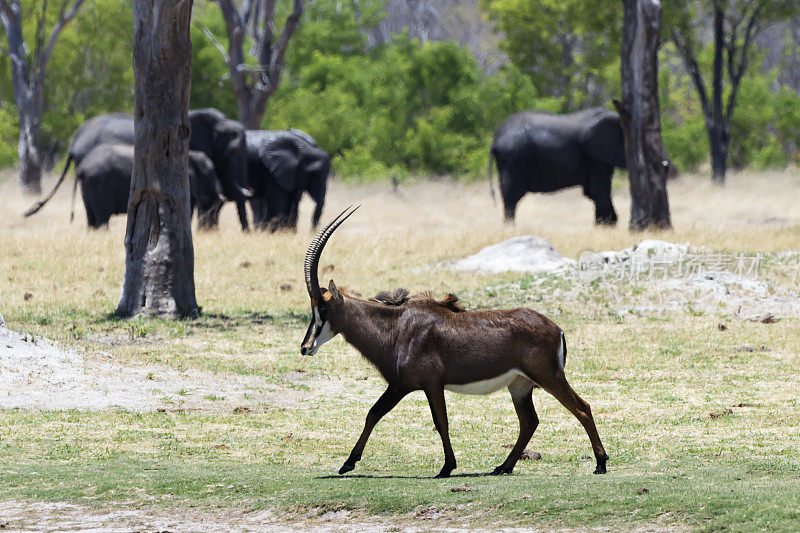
column 403, row 107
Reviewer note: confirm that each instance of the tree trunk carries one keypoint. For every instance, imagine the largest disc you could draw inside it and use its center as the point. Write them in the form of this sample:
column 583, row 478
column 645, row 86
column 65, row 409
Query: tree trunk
column 159, row 255
column 29, row 84
column 30, row 165
column 251, row 110
column 641, row 116
column 30, row 161
column 252, row 88
column 716, row 137
column 718, row 140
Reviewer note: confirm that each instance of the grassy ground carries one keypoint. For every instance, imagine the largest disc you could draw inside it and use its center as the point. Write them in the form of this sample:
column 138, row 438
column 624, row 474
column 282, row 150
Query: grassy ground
column 706, row 420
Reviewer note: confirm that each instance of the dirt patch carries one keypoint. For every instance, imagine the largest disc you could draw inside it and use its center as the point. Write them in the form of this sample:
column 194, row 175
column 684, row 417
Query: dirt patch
column 36, row 373
column 50, row 517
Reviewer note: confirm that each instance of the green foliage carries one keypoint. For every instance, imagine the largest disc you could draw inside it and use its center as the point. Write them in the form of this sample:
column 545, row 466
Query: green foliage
column 406, row 106
column 334, row 28
column 91, row 70
column 765, row 125
column 401, row 107
column 9, row 132
column 787, row 121
column 211, row 84
column 754, row 132
column 565, row 48
column 751, row 125
column 572, row 55
column 686, row 142
column 682, row 124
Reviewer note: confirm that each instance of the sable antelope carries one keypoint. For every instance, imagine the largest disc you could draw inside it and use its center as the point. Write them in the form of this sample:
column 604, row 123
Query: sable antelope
column 418, row 343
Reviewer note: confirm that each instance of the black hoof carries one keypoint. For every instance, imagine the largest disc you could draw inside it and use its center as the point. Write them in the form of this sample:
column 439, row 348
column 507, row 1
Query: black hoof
column 346, row 468
column 601, row 464
column 499, row 471
column 444, row 473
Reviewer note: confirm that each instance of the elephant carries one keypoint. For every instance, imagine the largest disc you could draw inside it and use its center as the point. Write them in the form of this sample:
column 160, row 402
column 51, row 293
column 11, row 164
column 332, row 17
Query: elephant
column 105, row 178
column 221, row 139
column 282, row 165
column 542, row 152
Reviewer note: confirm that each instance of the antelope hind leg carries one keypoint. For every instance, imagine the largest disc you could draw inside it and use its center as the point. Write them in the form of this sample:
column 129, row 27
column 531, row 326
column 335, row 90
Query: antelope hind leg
column 439, row 412
column 521, row 390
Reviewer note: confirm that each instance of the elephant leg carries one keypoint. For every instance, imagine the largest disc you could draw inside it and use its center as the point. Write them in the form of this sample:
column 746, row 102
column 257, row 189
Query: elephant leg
column 294, row 202
column 91, row 219
column 263, row 214
column 101, row 219
column 88, row 204
column 208, row 218
column 512, row 193
column 317, row 214
column 604, row 213
column 279, row 209
column 599, row 191
column 241, row 211
column 256, row 209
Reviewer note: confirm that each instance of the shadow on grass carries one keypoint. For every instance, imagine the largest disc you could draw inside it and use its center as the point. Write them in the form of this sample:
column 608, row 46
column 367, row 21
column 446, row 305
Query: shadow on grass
column 368, row 476
column 210, row 320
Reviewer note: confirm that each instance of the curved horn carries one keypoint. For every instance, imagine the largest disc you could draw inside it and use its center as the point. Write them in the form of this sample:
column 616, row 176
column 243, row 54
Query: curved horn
column 315, row 250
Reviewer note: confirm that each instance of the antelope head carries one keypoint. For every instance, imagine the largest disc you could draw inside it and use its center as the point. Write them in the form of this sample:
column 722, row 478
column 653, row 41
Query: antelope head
column 319, row 330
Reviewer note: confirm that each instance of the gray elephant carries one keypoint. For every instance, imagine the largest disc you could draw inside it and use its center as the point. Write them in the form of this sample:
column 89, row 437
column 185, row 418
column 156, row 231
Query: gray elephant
column 105, row 174
column 282, row 165
column 221, row 139
column 542, row 152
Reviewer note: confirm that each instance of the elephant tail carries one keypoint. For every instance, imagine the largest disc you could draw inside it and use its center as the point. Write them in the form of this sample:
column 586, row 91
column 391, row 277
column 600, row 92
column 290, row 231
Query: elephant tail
column 40, row 204
column 489, row 173
column 72, row 207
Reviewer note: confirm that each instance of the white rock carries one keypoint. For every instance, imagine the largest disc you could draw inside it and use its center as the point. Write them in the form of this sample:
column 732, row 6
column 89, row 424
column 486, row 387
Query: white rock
column 642, row 252
column 528, row 253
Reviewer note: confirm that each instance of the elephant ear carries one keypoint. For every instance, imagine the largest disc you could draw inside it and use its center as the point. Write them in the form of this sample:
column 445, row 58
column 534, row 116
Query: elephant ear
column 202, row 164
column 602, row 139
column 317, row 162
column 282, row 166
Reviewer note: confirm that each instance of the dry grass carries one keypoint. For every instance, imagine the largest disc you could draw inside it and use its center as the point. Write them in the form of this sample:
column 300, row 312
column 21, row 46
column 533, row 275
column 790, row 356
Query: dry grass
column 678, row 401
column 389, row 242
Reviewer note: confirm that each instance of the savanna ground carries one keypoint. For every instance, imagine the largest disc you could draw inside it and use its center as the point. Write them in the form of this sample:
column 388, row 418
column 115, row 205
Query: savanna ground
column 701, row 422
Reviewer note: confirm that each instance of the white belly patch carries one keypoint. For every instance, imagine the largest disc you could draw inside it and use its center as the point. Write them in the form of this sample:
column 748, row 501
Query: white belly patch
column 486, row 386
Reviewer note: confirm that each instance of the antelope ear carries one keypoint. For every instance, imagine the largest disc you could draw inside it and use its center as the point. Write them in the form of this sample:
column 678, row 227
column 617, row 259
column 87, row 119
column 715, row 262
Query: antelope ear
column 336, row 296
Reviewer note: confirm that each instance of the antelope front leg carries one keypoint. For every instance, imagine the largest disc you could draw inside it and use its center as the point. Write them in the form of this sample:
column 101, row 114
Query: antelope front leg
column 388, row 400
column 439, row 412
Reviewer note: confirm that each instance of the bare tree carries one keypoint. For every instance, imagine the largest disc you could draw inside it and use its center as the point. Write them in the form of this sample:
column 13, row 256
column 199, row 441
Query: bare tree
column 253, row 86
column 159, row 255
column 28, row 81
column 441, row 20
column 641, row 116
column 736, row 23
